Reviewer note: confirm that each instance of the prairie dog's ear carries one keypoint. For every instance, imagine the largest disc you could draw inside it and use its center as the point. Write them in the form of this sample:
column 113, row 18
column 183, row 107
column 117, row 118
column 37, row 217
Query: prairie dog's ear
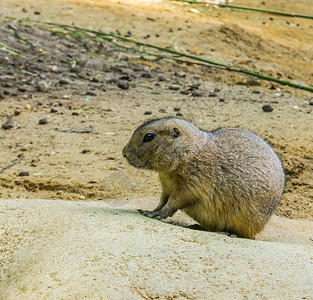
column 175, row 133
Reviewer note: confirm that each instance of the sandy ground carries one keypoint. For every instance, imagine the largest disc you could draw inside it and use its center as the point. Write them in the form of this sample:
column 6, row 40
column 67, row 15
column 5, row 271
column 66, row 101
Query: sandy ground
column 74, row 81
column 89, row 250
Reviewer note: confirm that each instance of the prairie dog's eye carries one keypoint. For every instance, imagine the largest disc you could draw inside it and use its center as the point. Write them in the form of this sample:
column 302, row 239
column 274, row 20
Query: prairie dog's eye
column 148, row 137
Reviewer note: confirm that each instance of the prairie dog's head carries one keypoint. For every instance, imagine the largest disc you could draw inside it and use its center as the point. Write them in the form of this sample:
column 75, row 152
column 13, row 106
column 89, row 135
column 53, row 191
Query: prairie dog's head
column 160, row 144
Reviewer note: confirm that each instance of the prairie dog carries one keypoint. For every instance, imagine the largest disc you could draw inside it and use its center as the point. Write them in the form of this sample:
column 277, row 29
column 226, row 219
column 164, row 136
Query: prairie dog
column 228, row 179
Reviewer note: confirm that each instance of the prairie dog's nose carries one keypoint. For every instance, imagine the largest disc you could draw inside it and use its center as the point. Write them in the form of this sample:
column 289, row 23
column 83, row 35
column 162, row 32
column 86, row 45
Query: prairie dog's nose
column 124, row 152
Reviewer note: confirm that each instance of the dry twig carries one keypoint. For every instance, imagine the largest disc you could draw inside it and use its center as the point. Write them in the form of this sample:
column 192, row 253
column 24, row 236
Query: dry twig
column 18, row 159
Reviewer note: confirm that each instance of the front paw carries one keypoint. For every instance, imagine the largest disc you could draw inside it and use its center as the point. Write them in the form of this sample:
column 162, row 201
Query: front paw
column 160, row 214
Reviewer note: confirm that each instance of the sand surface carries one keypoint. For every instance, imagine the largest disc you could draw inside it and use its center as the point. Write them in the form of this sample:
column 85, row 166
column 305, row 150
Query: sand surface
column 53, row 249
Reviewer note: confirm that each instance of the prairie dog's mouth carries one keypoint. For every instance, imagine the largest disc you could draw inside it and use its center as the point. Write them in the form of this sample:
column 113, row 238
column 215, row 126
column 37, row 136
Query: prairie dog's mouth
column 134, row 161
column 136, row 164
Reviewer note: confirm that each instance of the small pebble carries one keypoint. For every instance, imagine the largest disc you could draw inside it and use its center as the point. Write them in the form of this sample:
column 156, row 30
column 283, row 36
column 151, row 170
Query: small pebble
column 137, row 69
column 212, row 95
column 195, row 86
column 311, row 102
column 185, row 92
column 112, row 80
column 197, row 93
column 173, row 87
column 22, row 89
column 123, row 84
column 181, row 74
column 146, row 75
column 8, row 124
column 256, row 92
column 116, row 168
column 162, row 110
column 17, row 112
column 91, row 93
column 64, row 80
column 42, row 86
column 148, row 112
column 110, row 158
column 221, row 99
column 177, row 108
column 30, row 82
column 267, row 108
column 85, row 151
column 161, row 78
column 117, row 70
column 23, row 173
column 54, row 109
column 179, row 114
column 43, row 121
column 7, row 84
column 125, row 77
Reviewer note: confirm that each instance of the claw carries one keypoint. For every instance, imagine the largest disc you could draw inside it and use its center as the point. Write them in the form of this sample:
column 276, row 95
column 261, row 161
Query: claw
column 146, row 213
column 159, row 215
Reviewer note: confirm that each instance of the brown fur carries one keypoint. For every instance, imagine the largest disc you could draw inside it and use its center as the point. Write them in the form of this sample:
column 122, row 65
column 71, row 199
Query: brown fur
column 228, row 179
